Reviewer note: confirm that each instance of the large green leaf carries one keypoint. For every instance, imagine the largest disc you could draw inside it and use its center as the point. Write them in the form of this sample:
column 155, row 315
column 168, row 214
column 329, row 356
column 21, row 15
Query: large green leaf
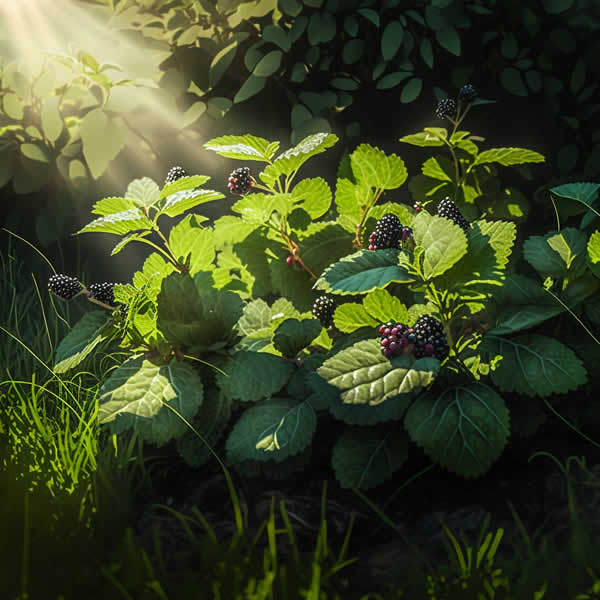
column 464, row 428
column 251, row 376
column 575, row 198
column 294, row 335
column 364, row 457
column 444, row 242
column 349, row 198
column 177, row 203
column 535, row 365
column 109, row 206
column 372, row 166
column 150, row 399
column 84, row 336
column 313, row 195
column 509, row 156
column 557, row 254
column 243, row 147
column 182, row 184
column 276, row 429
column 349, row 317
column 384, row 307
column 102, row 141
column 52, row 122
column 192, row 244
column 256, row 209
column 365, row 376
column 144, row 192
column 391, row 39
column 363, row 272
column 119, row 223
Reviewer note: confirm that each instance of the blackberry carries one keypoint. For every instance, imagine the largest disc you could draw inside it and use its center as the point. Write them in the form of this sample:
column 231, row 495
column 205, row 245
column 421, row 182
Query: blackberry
column 387, row 234
column 240, row 181
column 446, row 108
column 448, row 210
column 395, row 338
column 64, row 286
column 103, row 292
column 174, row 174
column 323, row 310
column 430, row 339
column 467, row 94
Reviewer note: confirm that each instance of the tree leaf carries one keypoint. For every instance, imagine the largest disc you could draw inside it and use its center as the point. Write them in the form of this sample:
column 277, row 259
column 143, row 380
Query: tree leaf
column 449, row 39
column 52, row 122
column 391, row 39
column 392, row 79
column 512, row 81
column 102, row 141
column 252, row 86
column 221, row 62
column 411, row 90
column 364, row 457
column 464, row 428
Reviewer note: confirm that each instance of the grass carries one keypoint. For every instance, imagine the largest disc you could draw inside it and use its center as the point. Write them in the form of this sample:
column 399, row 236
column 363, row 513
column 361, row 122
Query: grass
column 71, row 494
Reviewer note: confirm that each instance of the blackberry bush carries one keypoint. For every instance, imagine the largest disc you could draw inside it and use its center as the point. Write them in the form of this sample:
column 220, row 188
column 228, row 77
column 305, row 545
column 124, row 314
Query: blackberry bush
column 448, row 210
column 446, row 108
column 240, row 181
column 430, row 338
column 174, row 174
column 103, row 292
column 64, row 286
column 323, row 309
column 389, row 233
column 467, row 94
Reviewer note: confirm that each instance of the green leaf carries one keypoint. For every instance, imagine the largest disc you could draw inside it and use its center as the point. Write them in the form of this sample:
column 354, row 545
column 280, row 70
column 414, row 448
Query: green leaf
column 278, row 36
column 294, row 335
column 372, row 166
column 370, row 15
column 432, row 168
column 52, row 122
column 365, row 376
column 310, row 127
column 313, row 195
column 210, row 423
column 464, row 428
column 102, row 141
column 535, row 365
column 257, row 208
column 391, row 39
column 83, row 337
column 575, row 198
column 570, row 244
column 364, row 457
column 321, row 28
column 192, row 114
column 350, row 197
column 13, row 106
column 275, row 429
column 151, row 399
column 384, row 307
column 426, row 50
column 252, row 86
column 593, row 253
column 392, row 79
column 35, row 152
column 556, row 254
column 291, row 160
column 290, row 7
column 512, row 81
column 192, row 244
column 108, row 206
column 183, row 184
column 243, row 147
column 131, row 237
column 349, row 317
column 444, row 242
column 177, row 203
column 345, row 83
column 144, row 191
column 251, row 376
column 120, row 223
column 449, row 39
column 509, row 156
column 363, row 272
column 221, row 62
column 353, row 51
column 430, row 136
column 411, row 90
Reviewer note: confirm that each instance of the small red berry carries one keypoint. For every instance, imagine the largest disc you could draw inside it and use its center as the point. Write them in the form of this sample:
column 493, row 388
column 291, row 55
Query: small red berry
column 290, row 260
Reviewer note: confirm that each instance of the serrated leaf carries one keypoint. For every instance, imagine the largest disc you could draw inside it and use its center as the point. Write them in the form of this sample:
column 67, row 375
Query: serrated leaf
column 363, row 272
column 553, row 254
column 372, row 166
column 350, row 197
column 150, row 399
column 384, row 307
column 593, row 253
column 508, row 156
column 182, row 184
column 575, row 198
column 192, row 244
column 131, row 237
column 444, row 242
column 424, row 138
column 313, row 195
column 349, row 317
column 108, row 206
column 251, row 376
column 256, row 209
column 464, row 428
column 179, row 202
column 119, row 223
column 144, row 191
column 432, row 168
column 364, row 457
column 365, row 376
column 276, row 429
column 83, row 337
column 243, row 147
column 293, row 335
column 535, row 365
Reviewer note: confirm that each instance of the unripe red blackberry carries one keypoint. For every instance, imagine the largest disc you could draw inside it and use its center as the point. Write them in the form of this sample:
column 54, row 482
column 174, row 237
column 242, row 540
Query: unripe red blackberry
column 174, row 174
column 103, row 292
column 323, row 309
column 64, row 286
column 240, row 181
column 446, row 108
column 448, row 210
column 430, row 339
column 467, row 94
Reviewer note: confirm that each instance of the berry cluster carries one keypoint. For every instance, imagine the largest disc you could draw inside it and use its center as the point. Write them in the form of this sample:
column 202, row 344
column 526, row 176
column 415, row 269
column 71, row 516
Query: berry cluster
column 425, row 338
column 323, row 309
column 64, row 286
column 448, row 107
column 240, row 181
column 448, row 210
column 389, row 233
column 103, row 292
column 174, row 174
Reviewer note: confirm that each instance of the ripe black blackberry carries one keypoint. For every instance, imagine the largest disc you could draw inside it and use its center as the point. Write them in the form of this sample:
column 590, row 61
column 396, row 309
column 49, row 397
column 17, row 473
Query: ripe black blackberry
column 387, row 234
column 430, row 338
column 446, row 108
column 174, row 174
column 448, row 210
column 240, row 181
column 323, row 309
column 64, row 286
column 467, row 94
column 103, row 292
